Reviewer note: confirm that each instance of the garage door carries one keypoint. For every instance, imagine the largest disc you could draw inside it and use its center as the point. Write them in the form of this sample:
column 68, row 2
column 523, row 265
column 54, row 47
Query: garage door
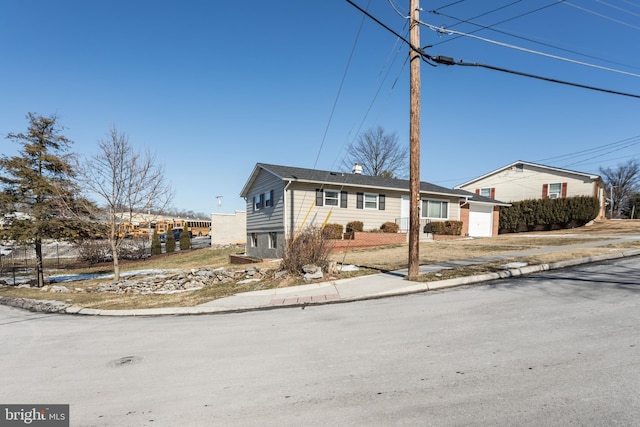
column 480, row 220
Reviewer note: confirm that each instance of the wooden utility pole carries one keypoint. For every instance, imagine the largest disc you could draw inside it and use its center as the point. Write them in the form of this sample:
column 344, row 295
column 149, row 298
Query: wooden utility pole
column 414, row 142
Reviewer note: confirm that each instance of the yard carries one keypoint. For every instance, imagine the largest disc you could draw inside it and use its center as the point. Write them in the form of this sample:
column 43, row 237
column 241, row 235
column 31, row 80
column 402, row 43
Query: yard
column 369, row 261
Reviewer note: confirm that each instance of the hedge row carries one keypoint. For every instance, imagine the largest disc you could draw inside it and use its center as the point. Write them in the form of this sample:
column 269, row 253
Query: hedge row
column 547, row 214
column 448, row 228
column 334, row 231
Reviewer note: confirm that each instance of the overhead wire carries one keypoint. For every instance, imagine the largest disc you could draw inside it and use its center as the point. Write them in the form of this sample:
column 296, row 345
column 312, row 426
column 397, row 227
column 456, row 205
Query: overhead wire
column 442, row 30
column 490, row 28
column 498, row 23
column 617, row 21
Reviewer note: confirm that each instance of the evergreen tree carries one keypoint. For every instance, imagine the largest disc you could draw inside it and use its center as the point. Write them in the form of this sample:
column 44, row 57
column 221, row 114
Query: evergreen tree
column 185, row 238
column 156, row 246
column 170, row 241
column 40, row 198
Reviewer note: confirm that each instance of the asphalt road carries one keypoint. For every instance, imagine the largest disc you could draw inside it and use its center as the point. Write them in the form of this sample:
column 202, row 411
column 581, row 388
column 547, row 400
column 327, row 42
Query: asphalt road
column 558, row 348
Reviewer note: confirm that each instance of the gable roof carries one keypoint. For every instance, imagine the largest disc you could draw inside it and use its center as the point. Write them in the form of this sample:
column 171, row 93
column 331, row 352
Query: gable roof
column 345, row 179
column 535, row 165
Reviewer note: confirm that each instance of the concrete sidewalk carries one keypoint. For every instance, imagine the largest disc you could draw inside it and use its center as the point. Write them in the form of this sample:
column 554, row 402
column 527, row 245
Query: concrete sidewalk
column 372, row 286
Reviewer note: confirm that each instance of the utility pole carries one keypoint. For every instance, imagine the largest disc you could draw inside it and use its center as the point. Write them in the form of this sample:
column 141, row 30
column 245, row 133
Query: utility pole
column 414, row 141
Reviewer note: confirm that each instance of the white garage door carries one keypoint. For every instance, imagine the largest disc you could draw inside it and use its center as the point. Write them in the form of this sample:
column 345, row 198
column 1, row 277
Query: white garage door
column 480, row 220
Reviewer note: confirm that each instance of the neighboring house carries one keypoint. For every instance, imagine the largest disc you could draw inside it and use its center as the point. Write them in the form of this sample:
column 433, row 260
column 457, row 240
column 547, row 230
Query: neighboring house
column 524, row 180
column 282, row 200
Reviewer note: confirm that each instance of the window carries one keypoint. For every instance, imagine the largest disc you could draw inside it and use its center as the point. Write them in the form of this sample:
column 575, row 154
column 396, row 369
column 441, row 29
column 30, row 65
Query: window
column 273, row 240
column 554, row 191
column 331, row 197
column 435, row 209
column 268, row 199
column 485, row 192
column 253, row 239
column 258, row 202
column 370, row 201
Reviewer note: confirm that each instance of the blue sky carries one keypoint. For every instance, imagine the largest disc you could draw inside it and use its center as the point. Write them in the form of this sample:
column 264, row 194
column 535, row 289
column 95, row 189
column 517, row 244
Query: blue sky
column 215, row 87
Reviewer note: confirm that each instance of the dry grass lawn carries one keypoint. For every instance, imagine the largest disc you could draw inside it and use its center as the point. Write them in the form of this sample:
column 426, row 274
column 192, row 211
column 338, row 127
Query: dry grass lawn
column 370, row 261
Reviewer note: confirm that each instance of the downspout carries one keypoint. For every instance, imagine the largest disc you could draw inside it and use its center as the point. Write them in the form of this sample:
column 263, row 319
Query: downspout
column 284, row 213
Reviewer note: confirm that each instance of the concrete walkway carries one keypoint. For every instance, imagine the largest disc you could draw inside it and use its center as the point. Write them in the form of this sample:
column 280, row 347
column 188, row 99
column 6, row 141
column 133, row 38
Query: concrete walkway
column 374, row 286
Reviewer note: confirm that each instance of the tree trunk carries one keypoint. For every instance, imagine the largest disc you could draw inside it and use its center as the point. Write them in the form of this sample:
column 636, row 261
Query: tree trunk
column 116, row 262
column 39, row 267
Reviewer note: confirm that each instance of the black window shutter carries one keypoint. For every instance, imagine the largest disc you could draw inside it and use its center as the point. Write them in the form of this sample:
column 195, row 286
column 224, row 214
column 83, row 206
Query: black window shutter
column 381, row 202
column 343, row 199
column 270, row 198
column 359, row 200
column 319, row 197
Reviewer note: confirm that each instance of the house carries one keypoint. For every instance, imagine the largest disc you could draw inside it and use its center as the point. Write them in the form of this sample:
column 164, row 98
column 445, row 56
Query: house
column 282, row 200
column 525, row 180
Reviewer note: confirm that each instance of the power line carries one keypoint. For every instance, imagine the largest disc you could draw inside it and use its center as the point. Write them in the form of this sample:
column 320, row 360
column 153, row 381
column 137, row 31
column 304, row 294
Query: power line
column 450, row 61
column 484, row 27
column 445, row 31
column 497, row 23
column 617, row 21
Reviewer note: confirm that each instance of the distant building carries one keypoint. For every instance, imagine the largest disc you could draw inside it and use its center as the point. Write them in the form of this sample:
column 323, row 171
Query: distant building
column 228, row 228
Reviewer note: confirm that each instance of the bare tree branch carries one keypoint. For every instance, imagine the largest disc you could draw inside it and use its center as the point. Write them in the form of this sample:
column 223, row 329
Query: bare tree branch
column 379, row 154
column 127, row 182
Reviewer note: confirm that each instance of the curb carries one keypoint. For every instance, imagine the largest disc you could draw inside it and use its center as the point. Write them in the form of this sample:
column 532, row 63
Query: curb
column 54, row 306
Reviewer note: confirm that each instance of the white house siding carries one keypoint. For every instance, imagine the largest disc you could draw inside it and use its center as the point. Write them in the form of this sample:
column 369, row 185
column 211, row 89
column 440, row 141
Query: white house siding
column 303, row 211
column 522, row 184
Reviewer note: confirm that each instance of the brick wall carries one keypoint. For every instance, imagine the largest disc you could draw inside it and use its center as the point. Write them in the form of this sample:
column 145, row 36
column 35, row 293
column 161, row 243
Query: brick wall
column 369, row 240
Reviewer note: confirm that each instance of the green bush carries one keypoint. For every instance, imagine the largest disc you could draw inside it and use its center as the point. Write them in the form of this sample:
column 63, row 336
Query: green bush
column 448, row 228
column 156, row 246
column 333, row 231
column 170, row 241
column 185, row 238
column 548, row 214
column 355, row 226
column 390, row 227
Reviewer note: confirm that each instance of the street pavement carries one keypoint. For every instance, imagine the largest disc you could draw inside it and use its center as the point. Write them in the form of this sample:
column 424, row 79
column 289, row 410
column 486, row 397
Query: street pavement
column 375, row 286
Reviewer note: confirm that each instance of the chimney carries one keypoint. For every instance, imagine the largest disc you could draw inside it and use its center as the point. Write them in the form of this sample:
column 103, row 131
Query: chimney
column 356, row 169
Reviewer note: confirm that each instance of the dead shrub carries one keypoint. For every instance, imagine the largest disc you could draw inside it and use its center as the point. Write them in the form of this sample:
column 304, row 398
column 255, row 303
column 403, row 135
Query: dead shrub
column 390, row 227
column 355, row 226
column 94, row 251
column 311, row 246
column 333, row 231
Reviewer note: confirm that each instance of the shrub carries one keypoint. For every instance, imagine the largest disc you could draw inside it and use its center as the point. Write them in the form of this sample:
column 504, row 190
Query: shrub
column 94, row 251
column 333, row 231
column 355, row 226
column 156, row 246
column 135, row 248
column 390, row 227
column 309, row 247
column 185, row 238
column 170, row 241
column 448, row 228
column 548, row 214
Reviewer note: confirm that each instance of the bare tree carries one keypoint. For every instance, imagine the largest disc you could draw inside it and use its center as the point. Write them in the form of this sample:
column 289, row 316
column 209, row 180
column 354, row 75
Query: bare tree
column 379, row 154
column 621, row 183
column 127, row 182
